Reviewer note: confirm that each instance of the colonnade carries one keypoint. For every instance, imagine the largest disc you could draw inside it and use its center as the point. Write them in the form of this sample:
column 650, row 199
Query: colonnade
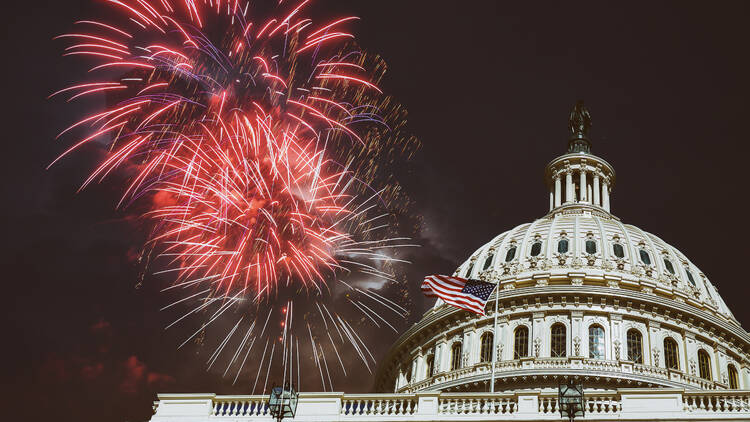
column 593, row 188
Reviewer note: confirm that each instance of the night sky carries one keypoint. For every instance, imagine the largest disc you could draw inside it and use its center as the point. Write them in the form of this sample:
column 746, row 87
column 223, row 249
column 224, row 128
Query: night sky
column 488, row 86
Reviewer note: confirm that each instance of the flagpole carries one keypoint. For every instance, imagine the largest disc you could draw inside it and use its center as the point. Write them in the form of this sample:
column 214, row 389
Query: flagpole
column 494, row 347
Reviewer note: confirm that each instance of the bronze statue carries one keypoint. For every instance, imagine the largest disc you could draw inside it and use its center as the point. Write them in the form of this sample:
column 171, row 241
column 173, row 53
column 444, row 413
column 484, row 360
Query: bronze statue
column 580, row 120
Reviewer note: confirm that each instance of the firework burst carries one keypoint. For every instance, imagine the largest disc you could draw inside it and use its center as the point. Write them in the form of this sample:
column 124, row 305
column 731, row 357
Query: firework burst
column 259, row 139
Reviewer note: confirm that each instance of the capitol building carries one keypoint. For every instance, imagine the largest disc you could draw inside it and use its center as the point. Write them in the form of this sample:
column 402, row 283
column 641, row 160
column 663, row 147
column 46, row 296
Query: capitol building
column 582, row 298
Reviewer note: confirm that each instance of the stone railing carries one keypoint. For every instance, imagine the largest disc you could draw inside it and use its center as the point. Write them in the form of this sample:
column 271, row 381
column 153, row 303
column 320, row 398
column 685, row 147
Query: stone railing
column 527, row 405
column 512, row 368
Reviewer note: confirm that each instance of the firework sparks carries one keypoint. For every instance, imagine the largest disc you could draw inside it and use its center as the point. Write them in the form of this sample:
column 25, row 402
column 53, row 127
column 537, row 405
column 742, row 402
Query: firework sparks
column 256, row 137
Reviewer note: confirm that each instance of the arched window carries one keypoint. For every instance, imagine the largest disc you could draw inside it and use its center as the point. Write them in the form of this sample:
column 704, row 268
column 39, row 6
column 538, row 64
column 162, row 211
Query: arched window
column 591, row 246
column 521, row 342
column 536, row 248
column 511, row 254
column 485, row 351
column 635, row 346
column 488, row 261
column 430, row 366
column 645, row 257
column 557, row 341
column 670, row 354
column 456, row 356
column 690, row 276
column 704, row 365
column 596, row 342
column 734, row 379
column 469, row 270
column 562, row 245
column 618, row 250
column 668, row 264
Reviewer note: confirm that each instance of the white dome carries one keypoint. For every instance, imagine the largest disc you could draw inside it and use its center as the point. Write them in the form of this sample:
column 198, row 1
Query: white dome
column 580, row 297
column 647, row 264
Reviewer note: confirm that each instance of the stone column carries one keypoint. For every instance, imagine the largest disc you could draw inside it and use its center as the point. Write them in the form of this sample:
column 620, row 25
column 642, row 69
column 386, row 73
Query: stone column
column 539, row 334
column 569, row 194
column 582, row 184
column 690, row 351
column 440, row 354
column 597, row 190
column 653, row 328
column 558, row 190
column 551, row 200
column 419, row 368
column 504, row 342
column 618, row 348
column 577, row 337
column 605, row 195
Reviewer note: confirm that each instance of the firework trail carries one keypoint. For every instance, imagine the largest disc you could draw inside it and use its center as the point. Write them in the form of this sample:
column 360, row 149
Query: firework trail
column 262, row 144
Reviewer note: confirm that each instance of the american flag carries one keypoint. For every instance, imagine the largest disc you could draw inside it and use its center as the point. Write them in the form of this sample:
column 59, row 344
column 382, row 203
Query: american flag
column 471, row 295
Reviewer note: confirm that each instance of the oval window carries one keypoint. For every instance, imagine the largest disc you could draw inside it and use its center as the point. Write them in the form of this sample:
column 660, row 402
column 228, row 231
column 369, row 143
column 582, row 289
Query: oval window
column 690, row 276
column 668, row 264
column 618, row 250
column 645, row 258
column 488, row 261
column 590, row 246
column 511, row 254
column 562, row 246
column 536, row 248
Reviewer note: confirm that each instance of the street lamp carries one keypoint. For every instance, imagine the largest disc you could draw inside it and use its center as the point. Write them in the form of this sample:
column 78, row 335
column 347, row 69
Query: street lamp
column 283, row 402
column 571, row 400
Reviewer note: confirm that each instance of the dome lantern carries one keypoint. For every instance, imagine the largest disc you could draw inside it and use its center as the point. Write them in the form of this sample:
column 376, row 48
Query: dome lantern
column 578, row 179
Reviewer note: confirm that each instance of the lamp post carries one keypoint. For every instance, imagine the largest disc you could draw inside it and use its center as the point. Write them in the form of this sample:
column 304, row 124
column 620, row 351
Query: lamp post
column 282, row 402
column 571, row 400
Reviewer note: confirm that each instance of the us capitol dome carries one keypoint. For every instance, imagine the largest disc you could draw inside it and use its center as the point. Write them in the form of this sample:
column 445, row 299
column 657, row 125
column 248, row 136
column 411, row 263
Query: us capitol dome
column 581, row 296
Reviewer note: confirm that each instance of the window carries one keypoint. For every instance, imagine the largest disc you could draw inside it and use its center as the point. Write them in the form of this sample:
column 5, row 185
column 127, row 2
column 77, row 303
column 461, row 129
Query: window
column 469, row 270
column 690, row 276
column 536, row 248
column 734, row 379
column 635, row 346
column 562, row 246
column 511, row 254
column 618, row 250
column 645, row 258
column 488, row 261
column 521, row 343
column 591, row 246
column 670, row 354
column 704, row 365
column 557, row 341
column 430, row 366
column 456, row 356
column 668, row 264
column 485, row 351
column 596, row 342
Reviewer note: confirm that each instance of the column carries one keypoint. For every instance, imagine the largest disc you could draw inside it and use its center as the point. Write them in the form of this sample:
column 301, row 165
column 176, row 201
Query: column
column 504, row 341
column 539, row 335
column 576, row 327
column 569, row 186
column 653, row 328
column 419, row 367
column 605, row 195
column 582, row 184
column 597, row 197
column 551, row 200
column 558, row 190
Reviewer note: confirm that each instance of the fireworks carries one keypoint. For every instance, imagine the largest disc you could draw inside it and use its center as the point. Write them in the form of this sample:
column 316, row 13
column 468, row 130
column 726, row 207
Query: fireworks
column 256, row 138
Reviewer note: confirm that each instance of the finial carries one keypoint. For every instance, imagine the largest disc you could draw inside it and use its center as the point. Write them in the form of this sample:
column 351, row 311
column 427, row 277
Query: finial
column 579, row 124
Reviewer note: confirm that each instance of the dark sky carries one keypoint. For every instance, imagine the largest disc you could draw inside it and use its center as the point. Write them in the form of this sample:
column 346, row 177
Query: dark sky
column 488, row 86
